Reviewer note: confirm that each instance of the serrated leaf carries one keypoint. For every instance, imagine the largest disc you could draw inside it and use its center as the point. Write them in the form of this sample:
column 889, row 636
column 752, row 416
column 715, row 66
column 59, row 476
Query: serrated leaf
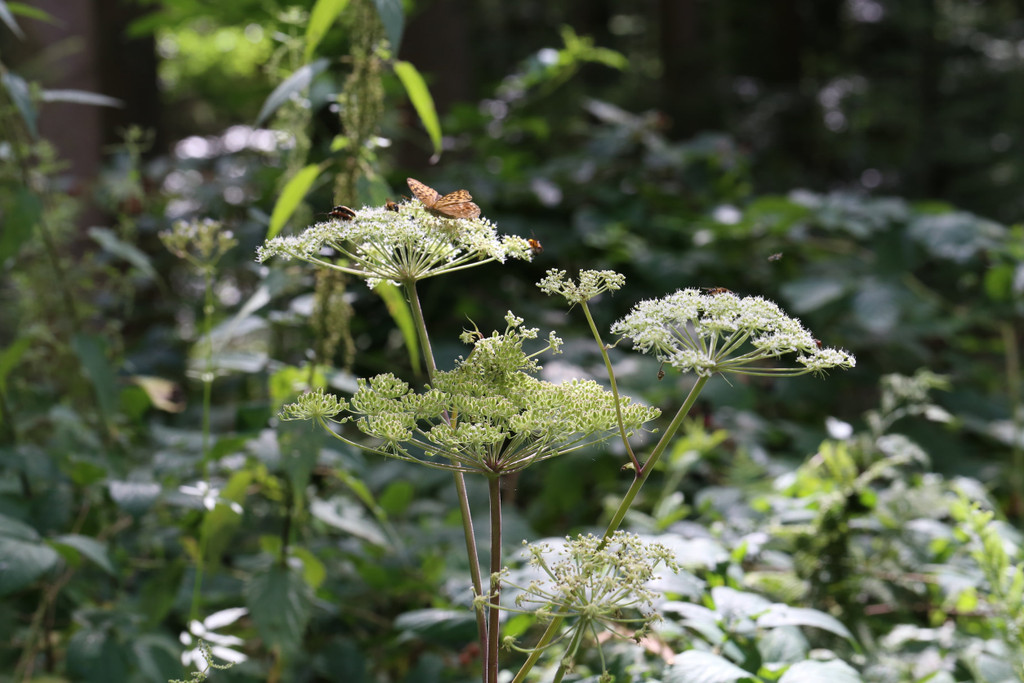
column 8, row 19
column 291, row 196
column 297, row 82
column 22, row 562
column 835, row 671
column 21, row 217
column 89, row 547
column 280, row 602
column 112, row 244
column 419, row 95
column 321, row 17
column 80, row 97
column 694, row 666
column 784, row 615
column 400, row 312
column 91, row 352
column 391, row 15
column 17, row 88
column 134, row 497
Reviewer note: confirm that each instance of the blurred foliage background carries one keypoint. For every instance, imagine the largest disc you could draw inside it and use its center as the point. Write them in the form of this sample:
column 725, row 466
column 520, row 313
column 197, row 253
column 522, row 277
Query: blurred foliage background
column 857, row 161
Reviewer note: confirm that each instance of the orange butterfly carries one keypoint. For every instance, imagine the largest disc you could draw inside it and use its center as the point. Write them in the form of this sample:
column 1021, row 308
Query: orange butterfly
column 458, row 204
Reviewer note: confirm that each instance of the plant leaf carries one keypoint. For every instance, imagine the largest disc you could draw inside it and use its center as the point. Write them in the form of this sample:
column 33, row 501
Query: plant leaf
column 834, row 671
column 280, row 602
column 399, row 310
column 784, row 615
column 89, row 547
column 297, row 82
column 22, row 562
column 22, row 216
column 391, row 15
column 321, row 18
column 134, row 497
column 293, row 193
column 17, row 88
column 112, row 244
column 80, row 97
column 91, row 351
column 8, row 18
column 694, row 666
column 419, row 95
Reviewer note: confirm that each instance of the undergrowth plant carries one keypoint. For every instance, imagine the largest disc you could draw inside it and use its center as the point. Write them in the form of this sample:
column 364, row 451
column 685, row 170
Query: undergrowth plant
column 491, row 417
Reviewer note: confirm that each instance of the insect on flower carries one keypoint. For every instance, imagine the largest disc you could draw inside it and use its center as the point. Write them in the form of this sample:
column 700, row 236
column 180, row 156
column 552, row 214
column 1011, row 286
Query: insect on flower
column 342, row 213
column 535, row 246
column 458, row 204
column 717, row 290
column 390, row 205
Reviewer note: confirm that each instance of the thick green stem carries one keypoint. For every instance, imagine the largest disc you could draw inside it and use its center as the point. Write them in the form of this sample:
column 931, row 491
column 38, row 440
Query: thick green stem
column 460, row 480
column 494, row 597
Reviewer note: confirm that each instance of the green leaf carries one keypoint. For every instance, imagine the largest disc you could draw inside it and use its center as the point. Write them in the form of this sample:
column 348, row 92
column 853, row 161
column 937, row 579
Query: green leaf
column 22, row 216
column 280, row 602
column 419, row 95
column 17, row 88
column 16, row 529
column 694, row 666
column 95, row 656
column 348, row 517
column 9, row 357
column 321, row 18
column 91, row 352
column 8, row 18
column 439, row 626
column 291, row 196
column 835, row 671
column 113, row 245
column 89, row 547
column 402, row 315
column 80, row 97
column 22, row 562
column 295, row 83
column 313, row 570
column 134, row 497
column 32, row 12
column 391, row 15
column 784, row 615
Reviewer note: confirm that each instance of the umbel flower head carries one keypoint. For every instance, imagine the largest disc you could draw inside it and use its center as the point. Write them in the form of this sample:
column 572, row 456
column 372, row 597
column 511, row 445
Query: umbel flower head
column 602, row 586
column 488, row 415
column 400, row 246
column 709, row 332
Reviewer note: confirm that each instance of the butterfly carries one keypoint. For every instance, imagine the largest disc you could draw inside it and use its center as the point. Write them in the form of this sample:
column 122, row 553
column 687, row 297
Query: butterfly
column 342, row 213
column 458, row 204
column 535, row 246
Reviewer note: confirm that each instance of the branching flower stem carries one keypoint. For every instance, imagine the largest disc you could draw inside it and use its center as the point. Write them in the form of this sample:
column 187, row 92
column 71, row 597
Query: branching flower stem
column 642, row 473
column 489, row 656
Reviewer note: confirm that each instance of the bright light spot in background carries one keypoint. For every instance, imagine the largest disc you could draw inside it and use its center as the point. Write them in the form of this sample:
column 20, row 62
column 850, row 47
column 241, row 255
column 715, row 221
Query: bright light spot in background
column 866, row 11
column 835, row 121
column 871, row 178
column 837, row 429
column 547, row 56
column 254, row 33
column 727, row 214
column 547, row 192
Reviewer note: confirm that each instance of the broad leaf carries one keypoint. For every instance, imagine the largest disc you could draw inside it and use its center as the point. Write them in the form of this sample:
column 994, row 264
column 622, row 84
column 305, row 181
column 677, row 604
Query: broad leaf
column 92, row 354
column 321, row 18
column 21, row 217
column 280, row 602
column 348, row 517
column 694, row 666
column 17, row 88
column 84, row 545
column 22, row 562
column 391, row 15
column 441, row 626
column 295, row 83
column 291, row 196
column 784, row 615
column 113, row 245
column 134, row 497
column 834, row 671
column 419, row 95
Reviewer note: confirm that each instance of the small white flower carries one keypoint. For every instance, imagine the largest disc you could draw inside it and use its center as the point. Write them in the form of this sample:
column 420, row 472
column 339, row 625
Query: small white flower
column 220, row 645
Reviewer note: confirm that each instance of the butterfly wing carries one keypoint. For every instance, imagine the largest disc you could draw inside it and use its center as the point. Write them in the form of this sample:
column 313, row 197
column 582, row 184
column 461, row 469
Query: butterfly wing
column 427, row 195
column 458, row 204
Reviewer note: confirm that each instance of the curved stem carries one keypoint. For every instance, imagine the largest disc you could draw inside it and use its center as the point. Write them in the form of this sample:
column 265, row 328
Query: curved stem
column 614, row 386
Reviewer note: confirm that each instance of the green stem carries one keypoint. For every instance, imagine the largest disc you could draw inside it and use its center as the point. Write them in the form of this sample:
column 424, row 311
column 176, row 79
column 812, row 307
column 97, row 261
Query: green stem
column 627, row 500
column 1013, row 390
column 494, row 494
column 459, row 478
column 614, row 385
column 207, row 380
